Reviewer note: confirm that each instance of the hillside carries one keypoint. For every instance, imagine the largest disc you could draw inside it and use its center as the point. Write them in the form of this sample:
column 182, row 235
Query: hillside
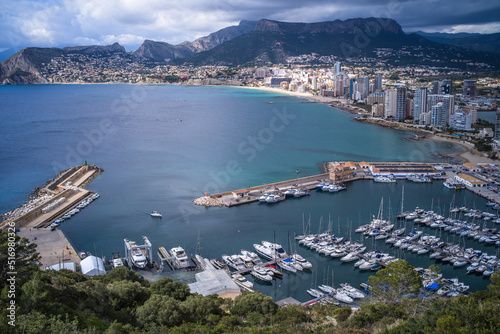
column 478, row 42
column 273, row 42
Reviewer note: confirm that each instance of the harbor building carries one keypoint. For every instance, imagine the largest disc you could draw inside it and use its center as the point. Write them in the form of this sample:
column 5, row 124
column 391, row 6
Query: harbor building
column 341, row 173
column 213, row 281
column 469, row 181
column 471, row 168
column 240, row 193
column 402, row 170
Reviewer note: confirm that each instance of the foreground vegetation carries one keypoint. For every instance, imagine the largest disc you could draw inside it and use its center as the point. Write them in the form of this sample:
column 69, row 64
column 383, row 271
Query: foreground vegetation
column 123, row 302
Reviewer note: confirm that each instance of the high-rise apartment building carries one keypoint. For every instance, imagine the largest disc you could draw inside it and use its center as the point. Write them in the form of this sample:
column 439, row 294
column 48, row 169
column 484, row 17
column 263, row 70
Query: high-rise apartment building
column 377, row 83
column 469, row 88
column 395, row 103
column 420, row 103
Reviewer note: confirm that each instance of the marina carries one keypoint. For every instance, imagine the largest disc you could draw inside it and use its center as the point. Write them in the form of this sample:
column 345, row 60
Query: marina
column 156, row 171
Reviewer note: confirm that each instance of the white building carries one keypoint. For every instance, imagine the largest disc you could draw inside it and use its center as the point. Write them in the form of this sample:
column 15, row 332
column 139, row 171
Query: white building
column 92, row 266
column 461, row 120
column 420, row 103
column 395, row 103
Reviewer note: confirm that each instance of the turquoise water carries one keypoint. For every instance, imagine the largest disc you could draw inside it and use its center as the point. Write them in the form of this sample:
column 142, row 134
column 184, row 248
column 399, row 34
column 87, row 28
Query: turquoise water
column 163, row 146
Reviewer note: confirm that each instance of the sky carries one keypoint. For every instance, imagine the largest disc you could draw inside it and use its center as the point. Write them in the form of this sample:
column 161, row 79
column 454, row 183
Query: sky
column 58, row 23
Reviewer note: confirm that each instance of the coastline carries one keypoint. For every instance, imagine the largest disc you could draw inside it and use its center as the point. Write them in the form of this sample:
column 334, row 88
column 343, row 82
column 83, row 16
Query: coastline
column 466, row 154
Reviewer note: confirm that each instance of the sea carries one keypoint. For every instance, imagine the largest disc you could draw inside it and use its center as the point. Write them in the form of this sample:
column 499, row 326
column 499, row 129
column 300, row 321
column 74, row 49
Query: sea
column 163, row 146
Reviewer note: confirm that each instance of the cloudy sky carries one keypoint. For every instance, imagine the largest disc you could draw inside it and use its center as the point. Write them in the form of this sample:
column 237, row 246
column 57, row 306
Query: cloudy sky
column 84, row 22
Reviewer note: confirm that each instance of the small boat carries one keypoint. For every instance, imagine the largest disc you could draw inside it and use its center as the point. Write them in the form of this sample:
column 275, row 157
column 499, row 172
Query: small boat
column 156, row 214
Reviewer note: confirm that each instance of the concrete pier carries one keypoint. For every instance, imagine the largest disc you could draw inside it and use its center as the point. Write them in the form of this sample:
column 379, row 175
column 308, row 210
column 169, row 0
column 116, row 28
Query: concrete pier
column 32, row 219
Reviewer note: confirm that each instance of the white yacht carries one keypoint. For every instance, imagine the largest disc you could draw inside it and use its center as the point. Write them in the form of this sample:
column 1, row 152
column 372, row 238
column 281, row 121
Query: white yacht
column 117, row 263
column 242, row 281
column 286, row 265
column 156, row 214
column 138, row 258
column 180, row 257
column 260, row 274
column 352, row 291
column 280, row 252
column 300, row 260
column 341, row 296
column 265, row 252
column 315, row 293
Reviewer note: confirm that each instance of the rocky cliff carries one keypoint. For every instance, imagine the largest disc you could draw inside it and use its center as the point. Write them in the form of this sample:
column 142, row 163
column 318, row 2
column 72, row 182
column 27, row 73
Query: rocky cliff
column 23, row 67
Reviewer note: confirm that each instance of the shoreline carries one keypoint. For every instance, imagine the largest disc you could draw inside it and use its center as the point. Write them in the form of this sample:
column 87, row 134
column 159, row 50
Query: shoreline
column 465, row 154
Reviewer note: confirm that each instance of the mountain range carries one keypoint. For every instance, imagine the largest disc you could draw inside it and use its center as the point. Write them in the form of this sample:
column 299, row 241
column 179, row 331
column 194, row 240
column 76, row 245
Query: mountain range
column 271, row 42
column 478, row 42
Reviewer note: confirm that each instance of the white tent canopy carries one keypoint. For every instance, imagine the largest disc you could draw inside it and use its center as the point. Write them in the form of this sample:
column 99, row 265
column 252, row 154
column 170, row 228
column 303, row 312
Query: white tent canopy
column 92, row 266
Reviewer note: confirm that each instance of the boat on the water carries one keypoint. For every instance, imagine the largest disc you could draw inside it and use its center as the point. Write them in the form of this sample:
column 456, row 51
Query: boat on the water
column 385, row 179
column 138, row 258
column 261, row 275
column 180, row 257
column 156, row 214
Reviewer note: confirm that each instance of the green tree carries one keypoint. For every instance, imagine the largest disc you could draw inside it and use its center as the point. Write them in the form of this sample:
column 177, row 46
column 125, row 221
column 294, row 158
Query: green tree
column 291, row 316
column 17, row 255
column 160, row 311
column 253, row 302
column 123, row 274
column 126, row 294
column 396, row 281
column 168, row 287
column 202, row 309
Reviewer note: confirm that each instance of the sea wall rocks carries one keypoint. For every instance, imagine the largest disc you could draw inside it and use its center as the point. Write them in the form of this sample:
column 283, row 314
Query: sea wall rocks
column 208, row 201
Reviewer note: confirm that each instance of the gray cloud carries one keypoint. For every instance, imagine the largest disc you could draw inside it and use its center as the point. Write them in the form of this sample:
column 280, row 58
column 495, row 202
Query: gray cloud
column 71, row 22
